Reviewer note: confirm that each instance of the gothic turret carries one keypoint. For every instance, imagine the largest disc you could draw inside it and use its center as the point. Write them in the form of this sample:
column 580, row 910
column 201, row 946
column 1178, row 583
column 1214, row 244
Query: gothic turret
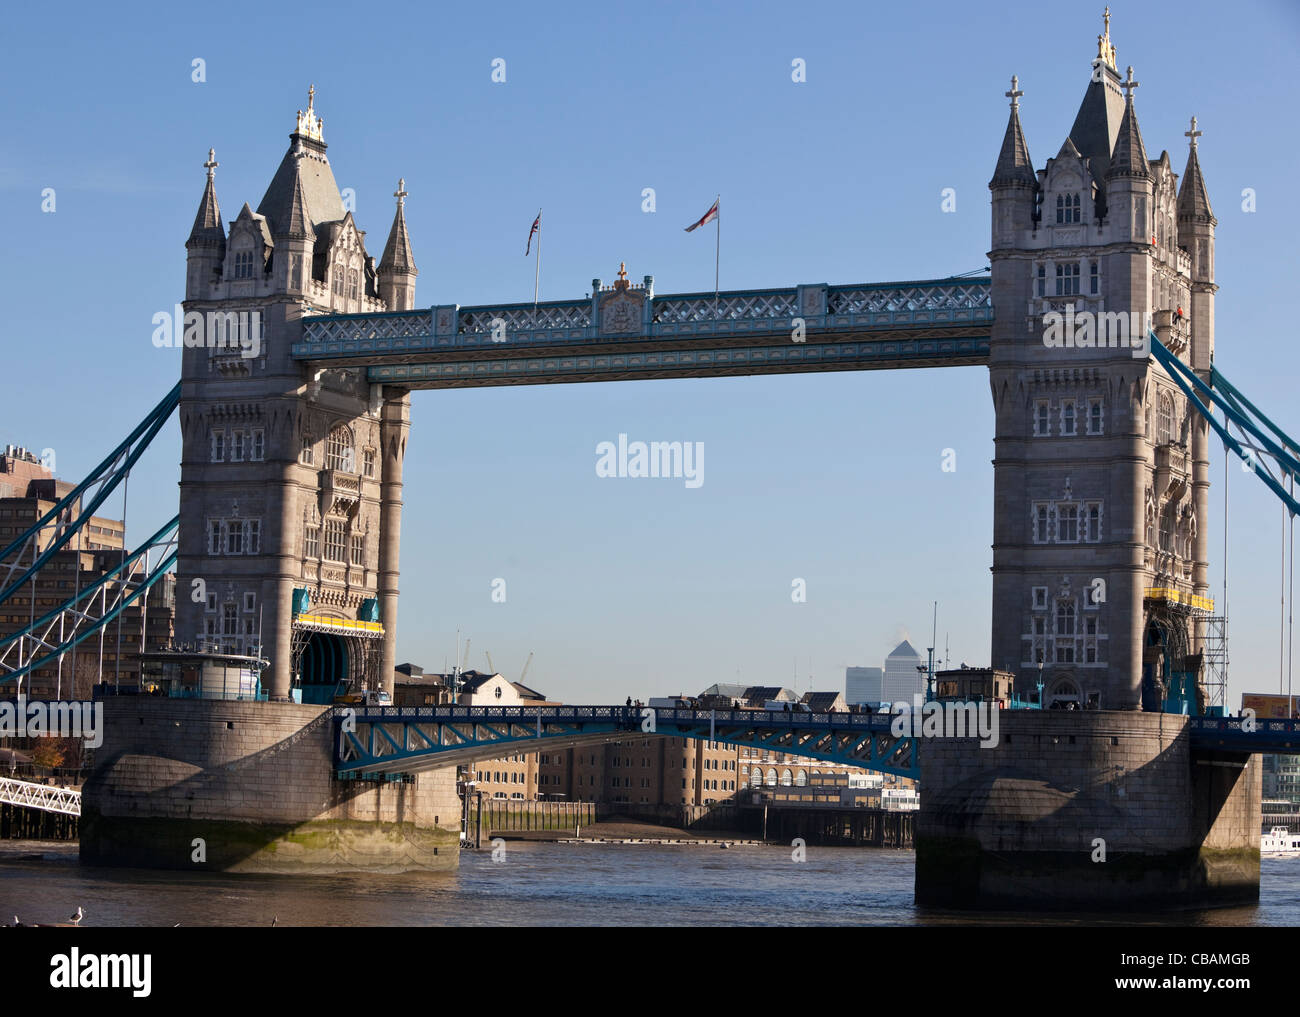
column 397, row 269
column 207, row 242
column 1014, row 182
column 1129, row 190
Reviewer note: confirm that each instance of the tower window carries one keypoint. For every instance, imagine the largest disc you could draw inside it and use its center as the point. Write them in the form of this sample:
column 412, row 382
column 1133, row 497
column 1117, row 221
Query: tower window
column 253, row 543
column 1067, row 417
column 358, row 549
column 243, row 264
column 1165, row 432
column 338, row 450
column 1096, row 416
column 306, row 456
column 1094, row 278
column 1067, row 280
column 235, row 537
column 236, row 446
column 338, row 282
column 311, row 542
column 259, row 444
column 218, row 446
column 368, row 462
column 1067, row 523
column 1042, row 519
column 334, row 536
column 352, row 284
column 1093, row 523
column 1068, row 208
column 1042, row 280
column 1042, row 418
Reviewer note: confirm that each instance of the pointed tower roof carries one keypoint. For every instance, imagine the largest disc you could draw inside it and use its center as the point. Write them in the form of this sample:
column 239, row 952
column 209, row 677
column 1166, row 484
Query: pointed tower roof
column 207, row 231
column 1129, row 159
column 1193, row 198
column 397, row 255
column 904, row 649
column 1014, row 165
column 303, row 188
column 1096, row 125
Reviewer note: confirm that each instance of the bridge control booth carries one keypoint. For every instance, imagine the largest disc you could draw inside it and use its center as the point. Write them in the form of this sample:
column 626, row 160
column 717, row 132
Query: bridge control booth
column 974, row 685
column 192, row 674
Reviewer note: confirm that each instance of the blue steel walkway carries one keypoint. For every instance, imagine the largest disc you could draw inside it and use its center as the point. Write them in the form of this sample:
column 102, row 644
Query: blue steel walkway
column 390, row 740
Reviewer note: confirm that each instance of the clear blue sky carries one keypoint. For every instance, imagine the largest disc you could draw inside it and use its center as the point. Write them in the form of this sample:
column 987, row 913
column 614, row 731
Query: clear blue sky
column 639, row 587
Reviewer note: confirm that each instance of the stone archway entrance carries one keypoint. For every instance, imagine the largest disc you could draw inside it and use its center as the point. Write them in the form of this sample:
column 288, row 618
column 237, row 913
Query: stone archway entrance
column 1064, row 695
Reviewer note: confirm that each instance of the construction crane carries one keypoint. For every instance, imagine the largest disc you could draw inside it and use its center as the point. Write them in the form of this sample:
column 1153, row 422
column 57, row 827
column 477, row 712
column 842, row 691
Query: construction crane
column 491, row 669
column 523, row 674
column 465, row 658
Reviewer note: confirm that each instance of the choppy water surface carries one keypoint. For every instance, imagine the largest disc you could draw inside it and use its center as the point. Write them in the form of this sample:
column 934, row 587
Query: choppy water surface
column 550, row 884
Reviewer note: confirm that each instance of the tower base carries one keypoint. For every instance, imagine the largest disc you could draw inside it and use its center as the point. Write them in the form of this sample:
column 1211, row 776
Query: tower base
column 1086, row 811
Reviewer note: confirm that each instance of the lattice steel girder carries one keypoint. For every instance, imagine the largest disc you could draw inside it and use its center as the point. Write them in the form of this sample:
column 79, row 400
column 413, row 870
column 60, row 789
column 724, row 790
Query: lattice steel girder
column 421, row 738
column 1269, row 736
column 874, row 307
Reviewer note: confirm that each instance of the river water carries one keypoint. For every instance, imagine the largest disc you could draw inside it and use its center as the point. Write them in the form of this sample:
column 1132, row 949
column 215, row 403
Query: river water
column 551, row 884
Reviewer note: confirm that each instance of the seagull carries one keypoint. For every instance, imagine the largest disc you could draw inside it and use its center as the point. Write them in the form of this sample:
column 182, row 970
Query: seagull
column 274, row 920
column 76, row 919
column 17, row 923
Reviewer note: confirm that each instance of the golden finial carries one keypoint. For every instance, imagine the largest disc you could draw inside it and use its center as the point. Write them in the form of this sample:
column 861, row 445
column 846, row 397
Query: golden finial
column 622, row 271
column 309, row 124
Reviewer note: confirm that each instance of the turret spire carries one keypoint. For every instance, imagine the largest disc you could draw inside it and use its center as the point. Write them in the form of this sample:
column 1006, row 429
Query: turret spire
column 1193, row 198
column 1014, row 165
column 1130, row 155
column 207, row 231
column 397, row 252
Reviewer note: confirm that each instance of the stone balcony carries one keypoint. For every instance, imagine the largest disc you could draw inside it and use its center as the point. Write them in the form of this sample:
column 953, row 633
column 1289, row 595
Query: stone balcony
column 1173, row 469
column 340, row 492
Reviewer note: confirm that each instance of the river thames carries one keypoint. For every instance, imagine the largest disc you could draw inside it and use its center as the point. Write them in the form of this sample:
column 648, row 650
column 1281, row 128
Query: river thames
column 554, row 884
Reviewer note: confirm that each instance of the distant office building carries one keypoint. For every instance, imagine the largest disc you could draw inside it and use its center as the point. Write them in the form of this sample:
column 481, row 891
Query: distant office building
column 902, row 679
column 864, row 685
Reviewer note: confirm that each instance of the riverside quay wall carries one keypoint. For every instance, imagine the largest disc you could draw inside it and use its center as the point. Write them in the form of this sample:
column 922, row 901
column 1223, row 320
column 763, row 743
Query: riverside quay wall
column 1086, row 810
column 249, row 787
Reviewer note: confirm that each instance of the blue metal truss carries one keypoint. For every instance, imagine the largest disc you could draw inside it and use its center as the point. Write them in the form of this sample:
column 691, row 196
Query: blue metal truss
column 82, row 615
column 1233, row 735
column 935, row 322
column 1271, row 452
column 85, row 497
column 373, row 740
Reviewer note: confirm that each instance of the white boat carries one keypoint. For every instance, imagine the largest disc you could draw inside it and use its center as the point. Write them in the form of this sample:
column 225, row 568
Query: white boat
column 1280, row 842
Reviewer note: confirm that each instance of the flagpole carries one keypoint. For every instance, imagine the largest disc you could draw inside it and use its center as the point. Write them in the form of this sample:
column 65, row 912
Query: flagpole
column 537, row 271
column 717, row 255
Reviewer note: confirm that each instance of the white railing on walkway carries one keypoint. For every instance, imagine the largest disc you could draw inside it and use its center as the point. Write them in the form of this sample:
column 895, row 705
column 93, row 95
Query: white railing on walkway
column 40, row 796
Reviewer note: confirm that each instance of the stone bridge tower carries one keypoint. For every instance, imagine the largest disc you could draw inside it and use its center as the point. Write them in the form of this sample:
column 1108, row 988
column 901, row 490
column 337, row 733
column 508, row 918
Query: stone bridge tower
column 291, row 478
column 1101, row 471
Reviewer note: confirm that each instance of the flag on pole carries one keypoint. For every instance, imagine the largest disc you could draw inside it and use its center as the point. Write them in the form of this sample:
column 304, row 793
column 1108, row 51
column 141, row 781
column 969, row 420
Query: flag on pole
column 708, row 217
column 537, row 225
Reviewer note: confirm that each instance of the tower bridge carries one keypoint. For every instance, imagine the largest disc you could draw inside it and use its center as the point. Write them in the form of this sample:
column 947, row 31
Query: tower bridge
column 292, row 474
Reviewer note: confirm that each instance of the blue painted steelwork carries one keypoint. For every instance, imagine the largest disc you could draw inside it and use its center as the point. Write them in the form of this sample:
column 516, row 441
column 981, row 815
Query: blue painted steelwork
column 102, row 480
column 1239, row 411
column 410, row 739
column 1230, row 734
column 51, row 639
column 939, row 320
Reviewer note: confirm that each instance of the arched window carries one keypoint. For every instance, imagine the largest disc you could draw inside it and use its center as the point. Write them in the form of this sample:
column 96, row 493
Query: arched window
column 1165, row 425
column 338, row 282
column 243, row 264
column 771, row 778
column 338, row 450
column 801, row 778
column 352, row 284
column 756, row 777
column 1068, row 208
column 787, row 778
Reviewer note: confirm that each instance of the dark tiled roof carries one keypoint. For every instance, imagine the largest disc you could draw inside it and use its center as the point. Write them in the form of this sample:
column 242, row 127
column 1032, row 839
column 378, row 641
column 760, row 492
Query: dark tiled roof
column 1014, row 165
column 303, row 177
